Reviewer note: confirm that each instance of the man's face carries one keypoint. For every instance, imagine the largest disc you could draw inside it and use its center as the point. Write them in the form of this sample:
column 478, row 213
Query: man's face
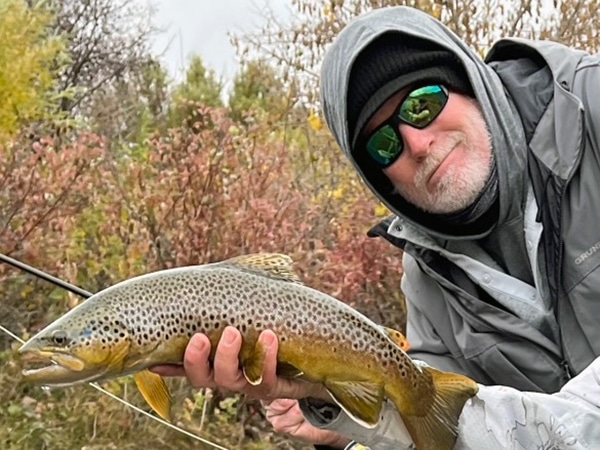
column 444, row 166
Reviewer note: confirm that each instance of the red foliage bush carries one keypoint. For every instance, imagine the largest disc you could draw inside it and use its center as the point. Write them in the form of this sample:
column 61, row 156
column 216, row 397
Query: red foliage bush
column 198, row 194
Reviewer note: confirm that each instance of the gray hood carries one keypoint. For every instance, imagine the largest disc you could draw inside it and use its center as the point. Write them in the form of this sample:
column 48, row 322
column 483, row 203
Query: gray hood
column 508, row 139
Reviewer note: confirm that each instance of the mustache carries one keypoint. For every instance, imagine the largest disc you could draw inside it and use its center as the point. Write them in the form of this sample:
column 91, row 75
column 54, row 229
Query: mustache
column 436, row 156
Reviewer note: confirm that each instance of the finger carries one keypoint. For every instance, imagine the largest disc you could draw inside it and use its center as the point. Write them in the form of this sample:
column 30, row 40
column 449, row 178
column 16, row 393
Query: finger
column 270, row 386
column 168, row 370
column 278, row 406
column 227, row 373
column 275, row 387
column 286, row 417
column 196, row 363
column 270, row 345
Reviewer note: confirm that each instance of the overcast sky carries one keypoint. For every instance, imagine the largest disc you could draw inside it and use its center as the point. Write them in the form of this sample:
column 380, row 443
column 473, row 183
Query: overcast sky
column 201, row 26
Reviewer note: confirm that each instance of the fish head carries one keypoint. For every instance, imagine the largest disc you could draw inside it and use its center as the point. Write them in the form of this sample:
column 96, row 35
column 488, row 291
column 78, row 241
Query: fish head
column 89, row 343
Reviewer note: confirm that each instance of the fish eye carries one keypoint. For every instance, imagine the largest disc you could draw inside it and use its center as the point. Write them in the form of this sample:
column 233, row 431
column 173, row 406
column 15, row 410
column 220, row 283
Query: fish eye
column 59, row 337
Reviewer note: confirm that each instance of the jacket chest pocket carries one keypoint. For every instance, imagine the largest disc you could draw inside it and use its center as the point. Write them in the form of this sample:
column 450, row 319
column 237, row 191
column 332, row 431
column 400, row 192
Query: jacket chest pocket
column 581, row 233
column 579, row 265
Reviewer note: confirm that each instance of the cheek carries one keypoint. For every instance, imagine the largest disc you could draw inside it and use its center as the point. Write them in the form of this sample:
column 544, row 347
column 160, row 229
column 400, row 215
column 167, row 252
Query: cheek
column 400, row 172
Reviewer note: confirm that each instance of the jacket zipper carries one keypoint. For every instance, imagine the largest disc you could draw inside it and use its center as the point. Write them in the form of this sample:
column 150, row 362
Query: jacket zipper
column 566, row 370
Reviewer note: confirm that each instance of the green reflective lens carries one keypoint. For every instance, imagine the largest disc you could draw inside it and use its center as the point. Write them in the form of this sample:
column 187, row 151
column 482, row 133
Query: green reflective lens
column 384, row 145
column 422, row 105
column 418, row 109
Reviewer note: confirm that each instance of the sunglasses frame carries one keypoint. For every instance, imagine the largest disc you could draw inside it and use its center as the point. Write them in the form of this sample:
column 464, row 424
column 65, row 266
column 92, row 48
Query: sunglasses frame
column 394, row 120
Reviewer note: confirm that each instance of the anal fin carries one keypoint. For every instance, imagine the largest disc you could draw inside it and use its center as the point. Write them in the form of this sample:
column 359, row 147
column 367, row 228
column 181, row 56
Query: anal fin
column 155, row 391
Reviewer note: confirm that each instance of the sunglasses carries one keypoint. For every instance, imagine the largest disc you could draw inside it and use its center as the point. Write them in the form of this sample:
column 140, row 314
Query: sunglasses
column 418, row 109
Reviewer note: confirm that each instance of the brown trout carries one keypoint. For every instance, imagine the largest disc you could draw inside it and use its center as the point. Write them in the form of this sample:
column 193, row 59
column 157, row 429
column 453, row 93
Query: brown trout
column 148, row 320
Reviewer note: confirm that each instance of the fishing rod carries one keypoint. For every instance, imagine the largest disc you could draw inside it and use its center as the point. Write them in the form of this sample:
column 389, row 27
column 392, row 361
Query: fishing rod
column 45, row 276
column 86, row 294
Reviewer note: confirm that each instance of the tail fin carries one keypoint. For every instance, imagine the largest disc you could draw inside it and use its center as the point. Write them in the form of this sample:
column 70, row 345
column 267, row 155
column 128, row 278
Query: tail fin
column 438, row 428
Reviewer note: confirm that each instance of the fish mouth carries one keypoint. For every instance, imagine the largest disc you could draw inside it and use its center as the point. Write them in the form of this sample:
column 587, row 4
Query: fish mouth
column 54, row 369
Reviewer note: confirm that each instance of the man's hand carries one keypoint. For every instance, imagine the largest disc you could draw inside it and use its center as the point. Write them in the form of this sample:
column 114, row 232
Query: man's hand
column 225, row 373
column 286, row 417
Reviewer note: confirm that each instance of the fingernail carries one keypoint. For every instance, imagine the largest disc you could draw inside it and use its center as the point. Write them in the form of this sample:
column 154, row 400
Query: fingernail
column 229, row 336
column 267, row 339
column 197, row 342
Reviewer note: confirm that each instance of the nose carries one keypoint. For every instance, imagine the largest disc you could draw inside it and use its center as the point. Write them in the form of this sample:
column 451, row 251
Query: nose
column 417, row 142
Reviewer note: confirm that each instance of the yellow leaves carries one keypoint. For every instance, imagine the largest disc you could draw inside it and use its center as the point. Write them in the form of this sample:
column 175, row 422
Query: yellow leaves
column 328, row 11
column 234, row 131
column 314, row 121
column 27, row 52
column 436, row 11
column 26, row 291
column 381, row 210
column 336, row 194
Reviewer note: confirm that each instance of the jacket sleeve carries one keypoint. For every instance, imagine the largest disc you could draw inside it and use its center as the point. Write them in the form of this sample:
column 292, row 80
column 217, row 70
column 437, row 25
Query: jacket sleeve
column 499, row 417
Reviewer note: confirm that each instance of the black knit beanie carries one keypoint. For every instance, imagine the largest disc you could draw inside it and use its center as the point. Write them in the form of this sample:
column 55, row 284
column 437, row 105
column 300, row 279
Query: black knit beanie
column 392, row 62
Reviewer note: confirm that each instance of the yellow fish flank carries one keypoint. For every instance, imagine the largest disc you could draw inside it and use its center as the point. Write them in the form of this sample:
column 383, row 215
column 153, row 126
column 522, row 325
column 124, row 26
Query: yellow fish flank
column 148, row 320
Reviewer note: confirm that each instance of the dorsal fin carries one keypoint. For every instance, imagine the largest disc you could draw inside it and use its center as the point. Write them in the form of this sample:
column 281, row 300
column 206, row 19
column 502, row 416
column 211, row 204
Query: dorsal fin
column 276, row 265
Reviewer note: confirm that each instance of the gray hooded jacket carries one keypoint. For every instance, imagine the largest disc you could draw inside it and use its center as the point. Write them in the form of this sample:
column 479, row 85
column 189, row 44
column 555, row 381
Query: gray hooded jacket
column 519, row 306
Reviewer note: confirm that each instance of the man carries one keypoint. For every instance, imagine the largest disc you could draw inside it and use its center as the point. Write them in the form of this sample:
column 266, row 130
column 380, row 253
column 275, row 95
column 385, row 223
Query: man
column 491, row 170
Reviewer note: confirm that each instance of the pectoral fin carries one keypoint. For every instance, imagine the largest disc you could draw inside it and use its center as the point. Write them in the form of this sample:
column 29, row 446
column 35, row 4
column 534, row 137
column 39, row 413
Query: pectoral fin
column 361, row 400
column 287, row 370
column 397, row 337
column 253, row 363
column 155, row 391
